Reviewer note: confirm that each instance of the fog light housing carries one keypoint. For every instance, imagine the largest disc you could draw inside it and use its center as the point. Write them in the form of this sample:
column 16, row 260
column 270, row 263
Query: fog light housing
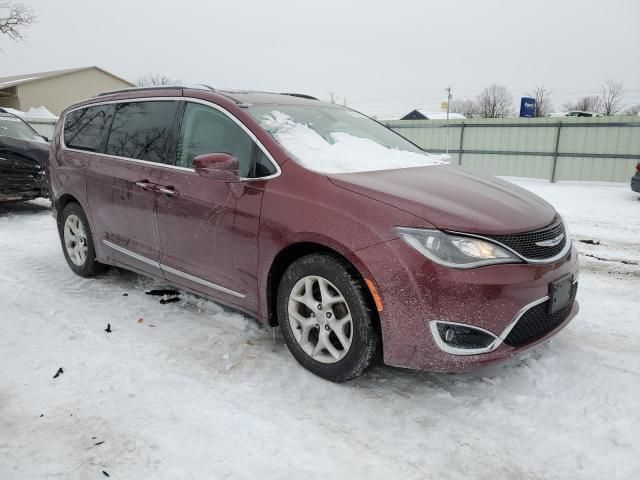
column 460, row 339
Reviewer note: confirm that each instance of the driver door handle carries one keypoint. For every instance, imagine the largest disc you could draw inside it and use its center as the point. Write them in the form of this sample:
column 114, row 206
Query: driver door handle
column 169, row 191
column 146, row 185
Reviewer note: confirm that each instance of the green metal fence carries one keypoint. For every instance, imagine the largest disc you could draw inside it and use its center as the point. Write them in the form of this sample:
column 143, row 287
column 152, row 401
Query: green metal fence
column 602, row 148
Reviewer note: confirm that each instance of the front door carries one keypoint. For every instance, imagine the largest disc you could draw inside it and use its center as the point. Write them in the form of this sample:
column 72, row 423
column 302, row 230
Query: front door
column 209, row 236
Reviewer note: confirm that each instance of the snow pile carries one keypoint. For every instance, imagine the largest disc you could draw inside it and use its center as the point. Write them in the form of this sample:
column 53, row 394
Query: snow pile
column 40, row 113
column 345, row 153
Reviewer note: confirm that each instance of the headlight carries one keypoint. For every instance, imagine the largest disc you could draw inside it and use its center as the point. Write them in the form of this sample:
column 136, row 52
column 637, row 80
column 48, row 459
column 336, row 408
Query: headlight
column 455, row 251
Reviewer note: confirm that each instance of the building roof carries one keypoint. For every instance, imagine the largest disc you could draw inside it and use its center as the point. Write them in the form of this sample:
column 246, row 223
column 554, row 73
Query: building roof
column 387, row 117
column 439, row 115
column 6, row 82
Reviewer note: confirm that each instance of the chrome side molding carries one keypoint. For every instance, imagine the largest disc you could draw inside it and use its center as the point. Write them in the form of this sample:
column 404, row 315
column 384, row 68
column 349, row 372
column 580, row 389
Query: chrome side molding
column 138, row 257
column 173, row 271
column 206, row 283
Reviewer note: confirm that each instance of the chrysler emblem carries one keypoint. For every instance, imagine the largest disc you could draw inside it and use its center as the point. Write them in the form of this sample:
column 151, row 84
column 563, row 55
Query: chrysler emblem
column 551, row 243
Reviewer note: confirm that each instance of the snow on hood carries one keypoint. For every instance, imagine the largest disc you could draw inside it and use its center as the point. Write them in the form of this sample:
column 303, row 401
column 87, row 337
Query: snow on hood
column 347, row 153
column 34, row 113
column 13, row 111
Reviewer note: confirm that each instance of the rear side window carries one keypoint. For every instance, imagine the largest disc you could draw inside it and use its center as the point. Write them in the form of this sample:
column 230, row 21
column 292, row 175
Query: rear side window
column 85, row 129
column 141, row 130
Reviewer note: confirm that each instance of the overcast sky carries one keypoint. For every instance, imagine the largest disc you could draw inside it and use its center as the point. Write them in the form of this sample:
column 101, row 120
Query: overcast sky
column 383, row 56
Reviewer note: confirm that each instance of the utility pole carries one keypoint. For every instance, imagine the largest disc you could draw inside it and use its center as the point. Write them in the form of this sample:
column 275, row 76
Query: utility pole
column 448, row 90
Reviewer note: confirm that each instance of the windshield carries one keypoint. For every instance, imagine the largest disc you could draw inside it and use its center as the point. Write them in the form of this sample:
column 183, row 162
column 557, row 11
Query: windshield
column 332, row 139
column 14, row 127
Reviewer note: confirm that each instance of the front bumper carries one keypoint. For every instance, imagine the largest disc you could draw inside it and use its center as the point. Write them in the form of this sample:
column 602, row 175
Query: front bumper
column 416, row 292
column 19, row 196
column 20, row 185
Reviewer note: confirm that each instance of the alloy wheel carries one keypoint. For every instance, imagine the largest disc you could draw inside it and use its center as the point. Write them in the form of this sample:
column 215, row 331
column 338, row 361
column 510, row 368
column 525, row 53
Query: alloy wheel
column 75, row 240
column 320, row 319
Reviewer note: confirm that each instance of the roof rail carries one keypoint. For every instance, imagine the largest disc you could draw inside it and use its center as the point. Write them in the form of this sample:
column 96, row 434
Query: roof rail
column 156, row 87
column 300, row 95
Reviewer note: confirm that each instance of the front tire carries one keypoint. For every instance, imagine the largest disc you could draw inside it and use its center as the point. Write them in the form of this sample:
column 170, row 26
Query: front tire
column 77, row 242
column 327, row 318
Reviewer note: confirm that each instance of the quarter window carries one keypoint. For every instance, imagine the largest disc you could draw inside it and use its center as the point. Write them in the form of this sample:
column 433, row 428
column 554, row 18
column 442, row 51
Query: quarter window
column 85, row 129
column 141, row 130
column 206, row 130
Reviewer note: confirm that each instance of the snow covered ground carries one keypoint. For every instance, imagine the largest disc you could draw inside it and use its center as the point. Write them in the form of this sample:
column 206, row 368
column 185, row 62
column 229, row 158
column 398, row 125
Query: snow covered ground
column 192, row 390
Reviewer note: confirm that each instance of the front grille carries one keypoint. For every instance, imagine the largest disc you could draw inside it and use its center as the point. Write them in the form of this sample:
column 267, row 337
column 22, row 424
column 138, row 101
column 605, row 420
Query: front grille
column 536, row 322
column 525, row 243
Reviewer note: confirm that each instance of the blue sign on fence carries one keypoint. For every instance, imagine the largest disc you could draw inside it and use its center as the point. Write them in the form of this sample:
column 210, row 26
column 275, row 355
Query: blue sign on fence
column 527, row 107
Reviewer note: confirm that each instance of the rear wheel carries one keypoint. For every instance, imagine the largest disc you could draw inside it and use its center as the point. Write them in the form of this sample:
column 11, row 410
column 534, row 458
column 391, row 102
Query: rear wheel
column 77, row 242
column 326, row 318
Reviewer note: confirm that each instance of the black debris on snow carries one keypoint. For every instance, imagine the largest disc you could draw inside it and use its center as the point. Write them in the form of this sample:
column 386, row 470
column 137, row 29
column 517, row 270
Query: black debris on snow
column 162, row 292
column 169, row 300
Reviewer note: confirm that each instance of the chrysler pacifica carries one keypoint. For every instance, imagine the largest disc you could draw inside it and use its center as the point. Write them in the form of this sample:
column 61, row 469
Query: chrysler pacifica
column 315, row 218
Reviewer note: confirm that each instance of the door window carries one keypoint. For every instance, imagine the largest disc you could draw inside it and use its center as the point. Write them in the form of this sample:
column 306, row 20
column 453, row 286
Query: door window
column 206, row 130
column 141, row 130
column 85, row 129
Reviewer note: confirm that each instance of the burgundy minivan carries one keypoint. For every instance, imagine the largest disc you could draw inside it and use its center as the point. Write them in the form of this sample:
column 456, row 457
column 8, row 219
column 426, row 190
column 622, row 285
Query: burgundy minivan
column 313, row 217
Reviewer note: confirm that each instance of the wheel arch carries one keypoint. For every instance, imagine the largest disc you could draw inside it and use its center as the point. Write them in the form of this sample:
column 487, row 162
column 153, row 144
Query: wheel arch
column 62, row 202
column 293, row 252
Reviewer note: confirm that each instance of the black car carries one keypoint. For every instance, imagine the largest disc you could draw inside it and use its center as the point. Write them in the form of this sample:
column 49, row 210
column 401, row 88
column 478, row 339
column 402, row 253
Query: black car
column 635, row 180
column 23, row 153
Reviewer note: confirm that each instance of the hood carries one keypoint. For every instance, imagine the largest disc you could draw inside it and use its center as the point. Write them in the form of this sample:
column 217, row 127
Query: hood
column 454, row 198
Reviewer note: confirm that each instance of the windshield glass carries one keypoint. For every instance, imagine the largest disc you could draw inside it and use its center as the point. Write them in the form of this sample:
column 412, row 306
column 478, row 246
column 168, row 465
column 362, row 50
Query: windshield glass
column 333, row 139
column 16, row 128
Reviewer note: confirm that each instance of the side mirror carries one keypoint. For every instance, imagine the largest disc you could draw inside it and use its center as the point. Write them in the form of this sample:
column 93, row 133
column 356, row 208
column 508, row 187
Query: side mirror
column 217, row 166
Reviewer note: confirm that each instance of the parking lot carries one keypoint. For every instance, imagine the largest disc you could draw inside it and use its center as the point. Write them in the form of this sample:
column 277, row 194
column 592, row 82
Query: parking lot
column 193, row 390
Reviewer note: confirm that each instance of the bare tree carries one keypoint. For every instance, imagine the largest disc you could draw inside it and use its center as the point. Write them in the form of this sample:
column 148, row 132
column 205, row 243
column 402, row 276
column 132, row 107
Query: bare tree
column 585, row 104
column 632, row 110
column 495, row 101
column 14, row 17
column 153, row 79
column 468, row 108
column 543, row 101
column 612, row 93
